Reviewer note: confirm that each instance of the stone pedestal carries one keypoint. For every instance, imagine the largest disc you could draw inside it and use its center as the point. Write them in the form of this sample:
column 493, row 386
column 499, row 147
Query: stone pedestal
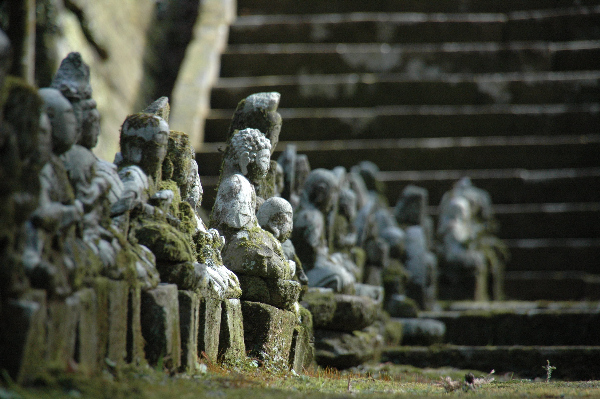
column 343, row 350
column 160, row 326
column 422, row 332
column 86, row 353
column 340, row 312
column 268, row 332
column 23, row 335
column 231, row 337
column 209, row 328
column 189, row 309
column 302, row 353
column 112, row 300
column 135, row 339
column 63, row 315
column 277, row 292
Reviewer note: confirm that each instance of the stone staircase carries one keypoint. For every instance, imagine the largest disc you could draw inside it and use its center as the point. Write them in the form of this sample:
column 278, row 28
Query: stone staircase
column 506, row 92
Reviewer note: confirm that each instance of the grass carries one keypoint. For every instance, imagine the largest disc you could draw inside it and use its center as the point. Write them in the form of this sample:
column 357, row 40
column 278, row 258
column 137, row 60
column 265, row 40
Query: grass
column 248, row 381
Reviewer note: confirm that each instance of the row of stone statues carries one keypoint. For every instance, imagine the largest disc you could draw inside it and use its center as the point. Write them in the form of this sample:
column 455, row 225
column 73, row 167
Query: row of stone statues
column 277, row 228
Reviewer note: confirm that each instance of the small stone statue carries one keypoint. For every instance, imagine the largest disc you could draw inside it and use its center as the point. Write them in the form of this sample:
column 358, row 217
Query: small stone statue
column 295, row 171
column 470, row 254
column 309, row 234
column 55, row 255
column 259, row 111
column 144, row 145
column 97, row 184
column 254, row 254
column 276, row 217
column 421, row 263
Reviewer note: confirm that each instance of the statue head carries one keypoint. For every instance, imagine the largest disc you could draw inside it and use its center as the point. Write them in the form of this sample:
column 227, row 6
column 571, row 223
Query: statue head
column 62, row 119
column 144, row 142
column 347, row 204
column 250, row 150
column 276, row 216
column 73, row 80
column 302, row 170
column 321, row 189
column 411, row 208
column 369, row 172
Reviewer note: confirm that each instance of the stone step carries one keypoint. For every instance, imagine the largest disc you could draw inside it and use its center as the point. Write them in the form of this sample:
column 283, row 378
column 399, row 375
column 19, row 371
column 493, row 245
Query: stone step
column 555, row 285
column 427, row 121
column 258, row 7
column 552, row 254
column 567, row 220
column 575, row 23
column 506, row 186
column 527, row 152
column 368, row 90
column 422, row 59
column 555, row 324
column 575, row 363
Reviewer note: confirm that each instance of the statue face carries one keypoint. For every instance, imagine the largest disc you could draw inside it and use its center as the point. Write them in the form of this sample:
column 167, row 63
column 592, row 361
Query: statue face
column 62, row 118
column 148, row 146
column 259, row 168
column 90, row 127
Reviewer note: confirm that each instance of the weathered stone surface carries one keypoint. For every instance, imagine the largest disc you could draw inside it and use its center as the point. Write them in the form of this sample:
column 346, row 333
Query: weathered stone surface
column 209, row 327
column 231, row 338
column 392, row 332
column 340, row 312
column 268, row 332
column 374, row 292
column 160, row 326
column 23, row 334
column 321, row 304
column 255, row 252
column 422, row 332
column 86, row 353
column 189, row 308
column 302, row 353
column 280, row 293
column 112, row 298
column 62, row 328
column 135, row 339
column 401, row 306
column 343, row 350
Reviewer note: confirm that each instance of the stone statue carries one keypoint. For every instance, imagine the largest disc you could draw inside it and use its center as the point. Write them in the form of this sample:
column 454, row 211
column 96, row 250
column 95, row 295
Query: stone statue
column 276, row 216
column 421, row 263
column 295, row 171
column 154, row 224
column 309, row 234
column 259, row 111
column 246, row 161
column 97, row 184
column 470, row 254
column 55, row 255
column 253, row 253
column 25, row 147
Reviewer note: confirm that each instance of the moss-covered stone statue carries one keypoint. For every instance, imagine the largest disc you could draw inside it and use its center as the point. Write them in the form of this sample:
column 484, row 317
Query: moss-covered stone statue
column 259, row 111
column 155, row 219
column 253, row 253
column 470, row 254
column 97, row 184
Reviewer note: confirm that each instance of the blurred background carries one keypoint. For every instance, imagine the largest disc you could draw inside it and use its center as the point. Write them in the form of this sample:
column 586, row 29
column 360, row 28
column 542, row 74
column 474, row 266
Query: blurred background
column 506, row 92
